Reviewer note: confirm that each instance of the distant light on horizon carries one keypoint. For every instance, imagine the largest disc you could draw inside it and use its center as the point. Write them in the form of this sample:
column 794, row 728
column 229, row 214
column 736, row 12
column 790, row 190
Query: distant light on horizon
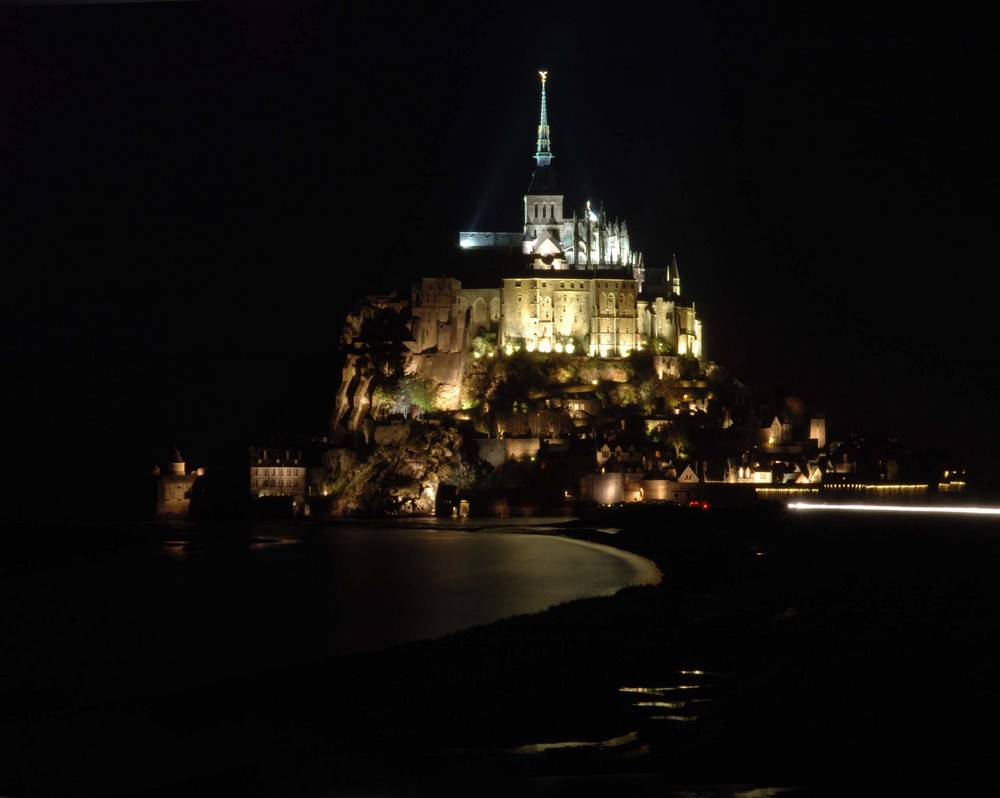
column 896, row 508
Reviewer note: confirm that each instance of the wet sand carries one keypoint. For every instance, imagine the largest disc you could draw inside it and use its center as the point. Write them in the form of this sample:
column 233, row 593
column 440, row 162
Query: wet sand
column 783, row 653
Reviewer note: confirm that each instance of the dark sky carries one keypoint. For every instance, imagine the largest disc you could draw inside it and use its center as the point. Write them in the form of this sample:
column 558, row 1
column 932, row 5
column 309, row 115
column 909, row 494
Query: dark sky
column 194, row 195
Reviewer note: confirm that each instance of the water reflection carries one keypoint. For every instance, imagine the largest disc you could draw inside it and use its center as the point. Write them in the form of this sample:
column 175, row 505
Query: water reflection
column 692, row 687
column 647, row 708
column 184, row 548
column 623, row 748
column 390, row 585
column 297, row 594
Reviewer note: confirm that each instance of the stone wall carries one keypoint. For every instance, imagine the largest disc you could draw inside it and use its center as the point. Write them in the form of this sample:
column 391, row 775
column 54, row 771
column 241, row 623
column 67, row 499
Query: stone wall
column 521, row 448
column 497, row 451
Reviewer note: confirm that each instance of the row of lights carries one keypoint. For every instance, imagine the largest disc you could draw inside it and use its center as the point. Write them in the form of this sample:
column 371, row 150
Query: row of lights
column 546, row 345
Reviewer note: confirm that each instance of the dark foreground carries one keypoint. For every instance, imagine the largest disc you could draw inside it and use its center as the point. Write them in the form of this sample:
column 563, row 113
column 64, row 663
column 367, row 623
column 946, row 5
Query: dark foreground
column 817, row 654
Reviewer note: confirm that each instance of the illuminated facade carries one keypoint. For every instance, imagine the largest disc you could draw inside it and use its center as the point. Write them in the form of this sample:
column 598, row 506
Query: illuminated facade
column 277, row 472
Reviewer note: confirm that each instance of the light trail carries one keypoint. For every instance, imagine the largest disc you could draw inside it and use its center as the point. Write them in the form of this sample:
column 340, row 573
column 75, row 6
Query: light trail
column 896, row 508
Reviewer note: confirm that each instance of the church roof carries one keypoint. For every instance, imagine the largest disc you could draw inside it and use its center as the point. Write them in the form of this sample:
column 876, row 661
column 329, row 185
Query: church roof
column 543, row 181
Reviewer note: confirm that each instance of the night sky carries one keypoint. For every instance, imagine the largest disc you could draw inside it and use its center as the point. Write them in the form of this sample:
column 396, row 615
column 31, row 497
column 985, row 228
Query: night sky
column 195, row 194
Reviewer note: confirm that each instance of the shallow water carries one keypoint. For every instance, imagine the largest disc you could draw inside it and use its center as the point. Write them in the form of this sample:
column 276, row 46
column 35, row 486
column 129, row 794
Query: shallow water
column 189, row 610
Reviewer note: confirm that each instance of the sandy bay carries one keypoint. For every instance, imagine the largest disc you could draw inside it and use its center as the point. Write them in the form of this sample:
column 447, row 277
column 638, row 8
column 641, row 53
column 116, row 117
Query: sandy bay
column 788, row 653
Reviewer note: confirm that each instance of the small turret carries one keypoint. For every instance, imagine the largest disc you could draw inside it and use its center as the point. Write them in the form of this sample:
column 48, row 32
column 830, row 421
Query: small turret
column 176, row 464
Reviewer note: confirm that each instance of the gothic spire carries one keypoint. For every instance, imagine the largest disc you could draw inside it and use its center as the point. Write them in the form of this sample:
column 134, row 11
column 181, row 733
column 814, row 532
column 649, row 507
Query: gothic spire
column 543, row 154
column 543, row 181
column 675, row 277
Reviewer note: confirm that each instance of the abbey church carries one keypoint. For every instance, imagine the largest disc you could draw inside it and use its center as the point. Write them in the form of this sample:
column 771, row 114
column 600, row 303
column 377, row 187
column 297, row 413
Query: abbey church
column 563, row 283
column 578, row 280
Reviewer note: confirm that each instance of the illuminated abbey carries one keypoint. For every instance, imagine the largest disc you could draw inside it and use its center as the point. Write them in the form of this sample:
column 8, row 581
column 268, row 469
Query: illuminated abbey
column 578, row 284
column 566, row 284
column 554, row 350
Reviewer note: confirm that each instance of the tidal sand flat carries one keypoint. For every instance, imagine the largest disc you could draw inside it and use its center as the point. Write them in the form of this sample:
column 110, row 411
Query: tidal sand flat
column 782, row 653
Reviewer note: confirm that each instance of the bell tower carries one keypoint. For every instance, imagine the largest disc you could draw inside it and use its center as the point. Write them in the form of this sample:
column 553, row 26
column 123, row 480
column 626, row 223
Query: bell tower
column 543, row 204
